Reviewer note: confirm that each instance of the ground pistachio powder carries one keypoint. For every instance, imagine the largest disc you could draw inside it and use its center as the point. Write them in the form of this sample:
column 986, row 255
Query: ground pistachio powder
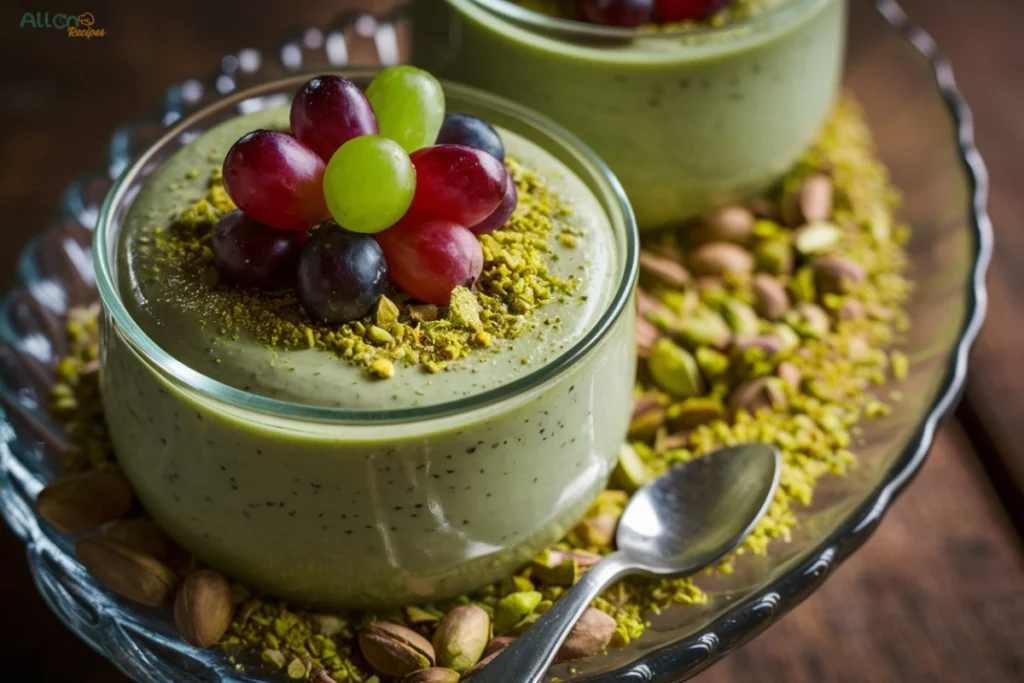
column 516, row 281
column 798, row 376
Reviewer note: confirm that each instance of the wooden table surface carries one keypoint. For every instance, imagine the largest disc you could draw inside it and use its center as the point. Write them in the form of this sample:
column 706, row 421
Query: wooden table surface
column 878, row 619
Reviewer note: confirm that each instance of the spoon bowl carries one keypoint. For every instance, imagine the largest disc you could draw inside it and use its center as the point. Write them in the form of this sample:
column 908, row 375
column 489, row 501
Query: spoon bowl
column 698, row 512
column 685, row 520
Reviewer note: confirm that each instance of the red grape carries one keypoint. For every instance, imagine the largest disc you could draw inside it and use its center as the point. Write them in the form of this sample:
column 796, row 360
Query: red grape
column 499, row 217
column 328, row 112
column 249, row 254
column 429, row 256
column 461, row 183
column 681, row 10
column 626, row 13
column 276, row 180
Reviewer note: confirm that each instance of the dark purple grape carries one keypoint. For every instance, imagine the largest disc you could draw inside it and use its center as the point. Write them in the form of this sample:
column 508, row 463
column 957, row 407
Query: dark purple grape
column 670, row 11
column 250, row 254
column 328, row 112
column 342, row 275
column 625, row 13
column 499, row 217
column 463, row 129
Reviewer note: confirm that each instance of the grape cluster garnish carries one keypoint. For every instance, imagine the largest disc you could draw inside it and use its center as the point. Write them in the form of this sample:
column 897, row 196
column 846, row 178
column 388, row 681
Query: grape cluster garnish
column 366, row 189
column 632, row 13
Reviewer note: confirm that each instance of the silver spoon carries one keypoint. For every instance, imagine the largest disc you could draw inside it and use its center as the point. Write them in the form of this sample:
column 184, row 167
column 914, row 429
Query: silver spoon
column 683, row 521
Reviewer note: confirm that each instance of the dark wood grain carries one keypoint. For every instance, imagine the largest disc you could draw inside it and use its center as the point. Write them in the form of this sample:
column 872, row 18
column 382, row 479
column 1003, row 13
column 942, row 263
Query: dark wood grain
column 984, row 44
column 877, row 620
column 937, row 594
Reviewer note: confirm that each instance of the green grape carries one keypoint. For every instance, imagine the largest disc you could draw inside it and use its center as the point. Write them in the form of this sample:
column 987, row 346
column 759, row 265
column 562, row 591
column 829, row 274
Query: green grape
column 369, row 184
column 409, row 104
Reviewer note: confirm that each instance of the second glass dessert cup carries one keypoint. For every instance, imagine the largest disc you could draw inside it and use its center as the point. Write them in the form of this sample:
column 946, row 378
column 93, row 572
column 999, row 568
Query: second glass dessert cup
column 345, row 508
column 687, row 119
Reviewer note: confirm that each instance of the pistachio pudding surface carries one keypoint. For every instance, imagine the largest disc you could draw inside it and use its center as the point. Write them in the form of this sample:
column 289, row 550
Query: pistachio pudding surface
column 212, row 330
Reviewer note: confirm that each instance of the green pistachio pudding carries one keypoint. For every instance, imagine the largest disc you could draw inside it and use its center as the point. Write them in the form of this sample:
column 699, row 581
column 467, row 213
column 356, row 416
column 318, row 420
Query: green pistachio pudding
column 691, row 111
column 344, row 415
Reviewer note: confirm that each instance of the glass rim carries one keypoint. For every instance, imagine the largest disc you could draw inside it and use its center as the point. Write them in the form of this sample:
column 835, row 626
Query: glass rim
column 532, row 19
column 204, row 385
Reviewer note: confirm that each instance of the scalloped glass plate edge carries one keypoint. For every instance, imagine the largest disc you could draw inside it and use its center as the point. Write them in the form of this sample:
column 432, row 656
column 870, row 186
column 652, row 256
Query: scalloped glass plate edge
column 134, row 644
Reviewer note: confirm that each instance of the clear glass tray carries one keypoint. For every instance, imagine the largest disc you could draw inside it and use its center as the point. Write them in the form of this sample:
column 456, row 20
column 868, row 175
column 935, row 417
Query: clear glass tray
column 936, row 165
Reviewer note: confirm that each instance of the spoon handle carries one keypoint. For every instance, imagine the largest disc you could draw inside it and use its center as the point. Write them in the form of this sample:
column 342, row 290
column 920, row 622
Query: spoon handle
column 528, row 657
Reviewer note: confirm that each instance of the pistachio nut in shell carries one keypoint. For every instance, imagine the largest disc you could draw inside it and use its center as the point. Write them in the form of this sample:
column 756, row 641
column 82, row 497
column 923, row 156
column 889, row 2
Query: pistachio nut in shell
column 127, row 572
column 394, row 650
column 815, row 197
column 703, row 328
column 729, row 224
column 84, row 501
column 461, row 637
column 202, row 608
column 660, row 269
column 719, row 258
column 588, row 637
column 834, row 273
column 770, row 298
column 143, row 535
column 432, row 675
column 674, row 370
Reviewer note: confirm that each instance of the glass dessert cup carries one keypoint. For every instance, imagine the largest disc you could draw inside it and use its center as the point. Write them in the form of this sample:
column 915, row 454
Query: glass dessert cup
column 368, row 508
column 686, row 119
column 935, row 165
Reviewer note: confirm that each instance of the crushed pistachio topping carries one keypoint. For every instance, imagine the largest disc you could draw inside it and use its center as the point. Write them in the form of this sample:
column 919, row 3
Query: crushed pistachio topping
column 516, row 281
column 74, row 400
column 803, row 378
column 747, row 333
